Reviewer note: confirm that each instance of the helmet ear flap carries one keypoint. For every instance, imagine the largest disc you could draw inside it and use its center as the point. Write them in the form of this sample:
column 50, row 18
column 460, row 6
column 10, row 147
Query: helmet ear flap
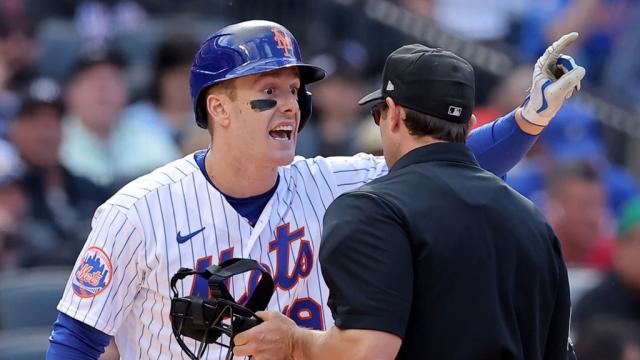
column 201, row 111
column 306, row 106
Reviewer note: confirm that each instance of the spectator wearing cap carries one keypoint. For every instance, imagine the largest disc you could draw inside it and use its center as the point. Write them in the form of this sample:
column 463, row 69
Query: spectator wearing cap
column 168, row 108
column 13, row 207
column 96, row 143
column 61, row 203
column 619, row 292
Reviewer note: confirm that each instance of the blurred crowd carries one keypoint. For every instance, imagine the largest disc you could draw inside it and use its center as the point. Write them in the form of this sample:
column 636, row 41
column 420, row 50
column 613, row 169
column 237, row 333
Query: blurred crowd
column 95, row 93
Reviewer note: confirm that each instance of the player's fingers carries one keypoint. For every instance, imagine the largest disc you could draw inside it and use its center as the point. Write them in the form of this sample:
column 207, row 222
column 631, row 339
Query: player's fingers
column 565, row 85
column 548, row 60
column 563, row 42
column 566, row 63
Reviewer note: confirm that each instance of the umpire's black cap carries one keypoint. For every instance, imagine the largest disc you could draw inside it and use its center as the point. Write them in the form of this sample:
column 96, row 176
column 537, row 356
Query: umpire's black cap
column 431, row 81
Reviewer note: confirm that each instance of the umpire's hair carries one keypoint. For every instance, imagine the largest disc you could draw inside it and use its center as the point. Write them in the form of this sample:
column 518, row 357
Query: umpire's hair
column 420, row 124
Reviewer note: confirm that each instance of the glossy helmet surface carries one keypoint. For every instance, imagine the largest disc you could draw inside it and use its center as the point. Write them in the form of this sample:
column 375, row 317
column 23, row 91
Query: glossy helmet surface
column 248, row 48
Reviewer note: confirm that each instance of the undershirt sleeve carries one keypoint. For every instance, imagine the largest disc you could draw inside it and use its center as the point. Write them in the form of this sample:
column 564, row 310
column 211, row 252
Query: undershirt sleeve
column 74, row 340
column 500, row 145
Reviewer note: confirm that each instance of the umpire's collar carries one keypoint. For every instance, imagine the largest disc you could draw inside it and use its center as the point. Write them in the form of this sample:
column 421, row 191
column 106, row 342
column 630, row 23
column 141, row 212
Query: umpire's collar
column 452, row 152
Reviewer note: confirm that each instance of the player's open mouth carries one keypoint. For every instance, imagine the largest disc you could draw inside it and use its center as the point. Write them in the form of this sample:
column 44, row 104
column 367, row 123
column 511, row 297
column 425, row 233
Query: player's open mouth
column 281, row 132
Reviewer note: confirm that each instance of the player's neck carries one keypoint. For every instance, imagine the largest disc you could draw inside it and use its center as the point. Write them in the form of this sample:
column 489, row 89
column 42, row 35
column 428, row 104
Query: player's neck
column 239, row 179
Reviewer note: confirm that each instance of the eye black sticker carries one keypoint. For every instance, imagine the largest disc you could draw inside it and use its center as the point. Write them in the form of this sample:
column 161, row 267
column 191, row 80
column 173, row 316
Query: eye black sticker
column 262, row 104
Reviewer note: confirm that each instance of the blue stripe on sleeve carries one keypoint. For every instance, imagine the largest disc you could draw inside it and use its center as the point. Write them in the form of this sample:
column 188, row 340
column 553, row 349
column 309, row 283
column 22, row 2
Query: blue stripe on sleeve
column 75, row 340
column 499, row 145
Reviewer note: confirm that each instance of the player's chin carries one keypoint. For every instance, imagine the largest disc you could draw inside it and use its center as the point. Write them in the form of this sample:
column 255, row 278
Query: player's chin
column 282, row 157
column 282, row 151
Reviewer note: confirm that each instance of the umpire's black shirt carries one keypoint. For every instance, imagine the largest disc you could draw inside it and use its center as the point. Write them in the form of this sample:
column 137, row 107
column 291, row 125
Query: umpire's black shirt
column 449, row 258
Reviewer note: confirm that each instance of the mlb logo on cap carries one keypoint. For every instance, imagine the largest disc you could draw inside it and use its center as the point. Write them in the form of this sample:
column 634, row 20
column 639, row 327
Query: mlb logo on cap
column 455, row 111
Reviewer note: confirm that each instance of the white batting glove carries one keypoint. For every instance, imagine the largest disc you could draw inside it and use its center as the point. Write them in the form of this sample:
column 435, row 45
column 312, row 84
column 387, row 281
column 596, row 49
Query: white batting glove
column 554, row 78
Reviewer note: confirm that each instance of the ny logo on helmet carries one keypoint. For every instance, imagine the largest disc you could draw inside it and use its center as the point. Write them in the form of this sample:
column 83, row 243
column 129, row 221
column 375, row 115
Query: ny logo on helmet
column 283, row 41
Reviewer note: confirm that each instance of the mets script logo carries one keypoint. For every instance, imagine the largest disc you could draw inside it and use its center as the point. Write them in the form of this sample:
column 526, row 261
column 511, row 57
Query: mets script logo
column 283, row 41
column 292, row 258
column 93, row 274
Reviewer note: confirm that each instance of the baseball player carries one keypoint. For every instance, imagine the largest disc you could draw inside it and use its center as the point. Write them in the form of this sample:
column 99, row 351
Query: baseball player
column 246, row 197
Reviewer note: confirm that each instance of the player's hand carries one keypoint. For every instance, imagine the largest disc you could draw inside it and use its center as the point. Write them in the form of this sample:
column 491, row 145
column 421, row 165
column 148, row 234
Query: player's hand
column 271, row 340
column 555, row 76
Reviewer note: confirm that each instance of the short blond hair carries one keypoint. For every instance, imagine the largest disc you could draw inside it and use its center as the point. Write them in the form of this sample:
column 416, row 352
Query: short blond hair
column 227, row 87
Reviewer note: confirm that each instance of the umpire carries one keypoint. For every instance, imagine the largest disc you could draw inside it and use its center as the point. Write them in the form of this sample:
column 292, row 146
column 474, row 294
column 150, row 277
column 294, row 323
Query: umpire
column 440, row 254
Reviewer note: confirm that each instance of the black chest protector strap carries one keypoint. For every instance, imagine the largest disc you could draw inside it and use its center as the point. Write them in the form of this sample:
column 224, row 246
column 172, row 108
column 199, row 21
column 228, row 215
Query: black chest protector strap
column 205, row 320
column 219, row 274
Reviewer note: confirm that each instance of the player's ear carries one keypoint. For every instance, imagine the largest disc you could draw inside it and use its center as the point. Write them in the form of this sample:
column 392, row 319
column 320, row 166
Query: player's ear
column 216, row 109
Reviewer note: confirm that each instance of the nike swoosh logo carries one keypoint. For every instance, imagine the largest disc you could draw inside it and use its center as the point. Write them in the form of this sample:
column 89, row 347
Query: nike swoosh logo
column 181, row 239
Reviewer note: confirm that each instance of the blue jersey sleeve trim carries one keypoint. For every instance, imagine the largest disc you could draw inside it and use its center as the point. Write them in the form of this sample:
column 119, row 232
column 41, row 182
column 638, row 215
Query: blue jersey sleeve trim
column 75, row 340
column 500, row 145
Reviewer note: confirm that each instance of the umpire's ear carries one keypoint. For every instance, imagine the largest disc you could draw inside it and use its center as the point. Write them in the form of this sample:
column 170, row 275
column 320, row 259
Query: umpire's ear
column 473, row 121
column 395, row 115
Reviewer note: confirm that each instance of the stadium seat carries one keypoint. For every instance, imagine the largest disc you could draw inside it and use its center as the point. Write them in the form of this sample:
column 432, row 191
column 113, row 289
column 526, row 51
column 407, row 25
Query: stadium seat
column 28, row 297
column 27, row 344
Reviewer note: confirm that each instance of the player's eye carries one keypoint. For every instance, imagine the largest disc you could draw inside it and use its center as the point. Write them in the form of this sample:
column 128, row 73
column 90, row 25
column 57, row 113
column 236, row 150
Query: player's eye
column 294, row 91
column 270, row 91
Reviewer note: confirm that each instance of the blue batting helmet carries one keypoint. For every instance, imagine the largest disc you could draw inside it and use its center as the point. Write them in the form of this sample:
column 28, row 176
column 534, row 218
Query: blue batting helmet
column 248, row 48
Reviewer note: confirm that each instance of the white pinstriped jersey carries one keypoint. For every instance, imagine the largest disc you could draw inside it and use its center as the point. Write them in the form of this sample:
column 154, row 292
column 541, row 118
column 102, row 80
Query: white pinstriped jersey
column 120, row 283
